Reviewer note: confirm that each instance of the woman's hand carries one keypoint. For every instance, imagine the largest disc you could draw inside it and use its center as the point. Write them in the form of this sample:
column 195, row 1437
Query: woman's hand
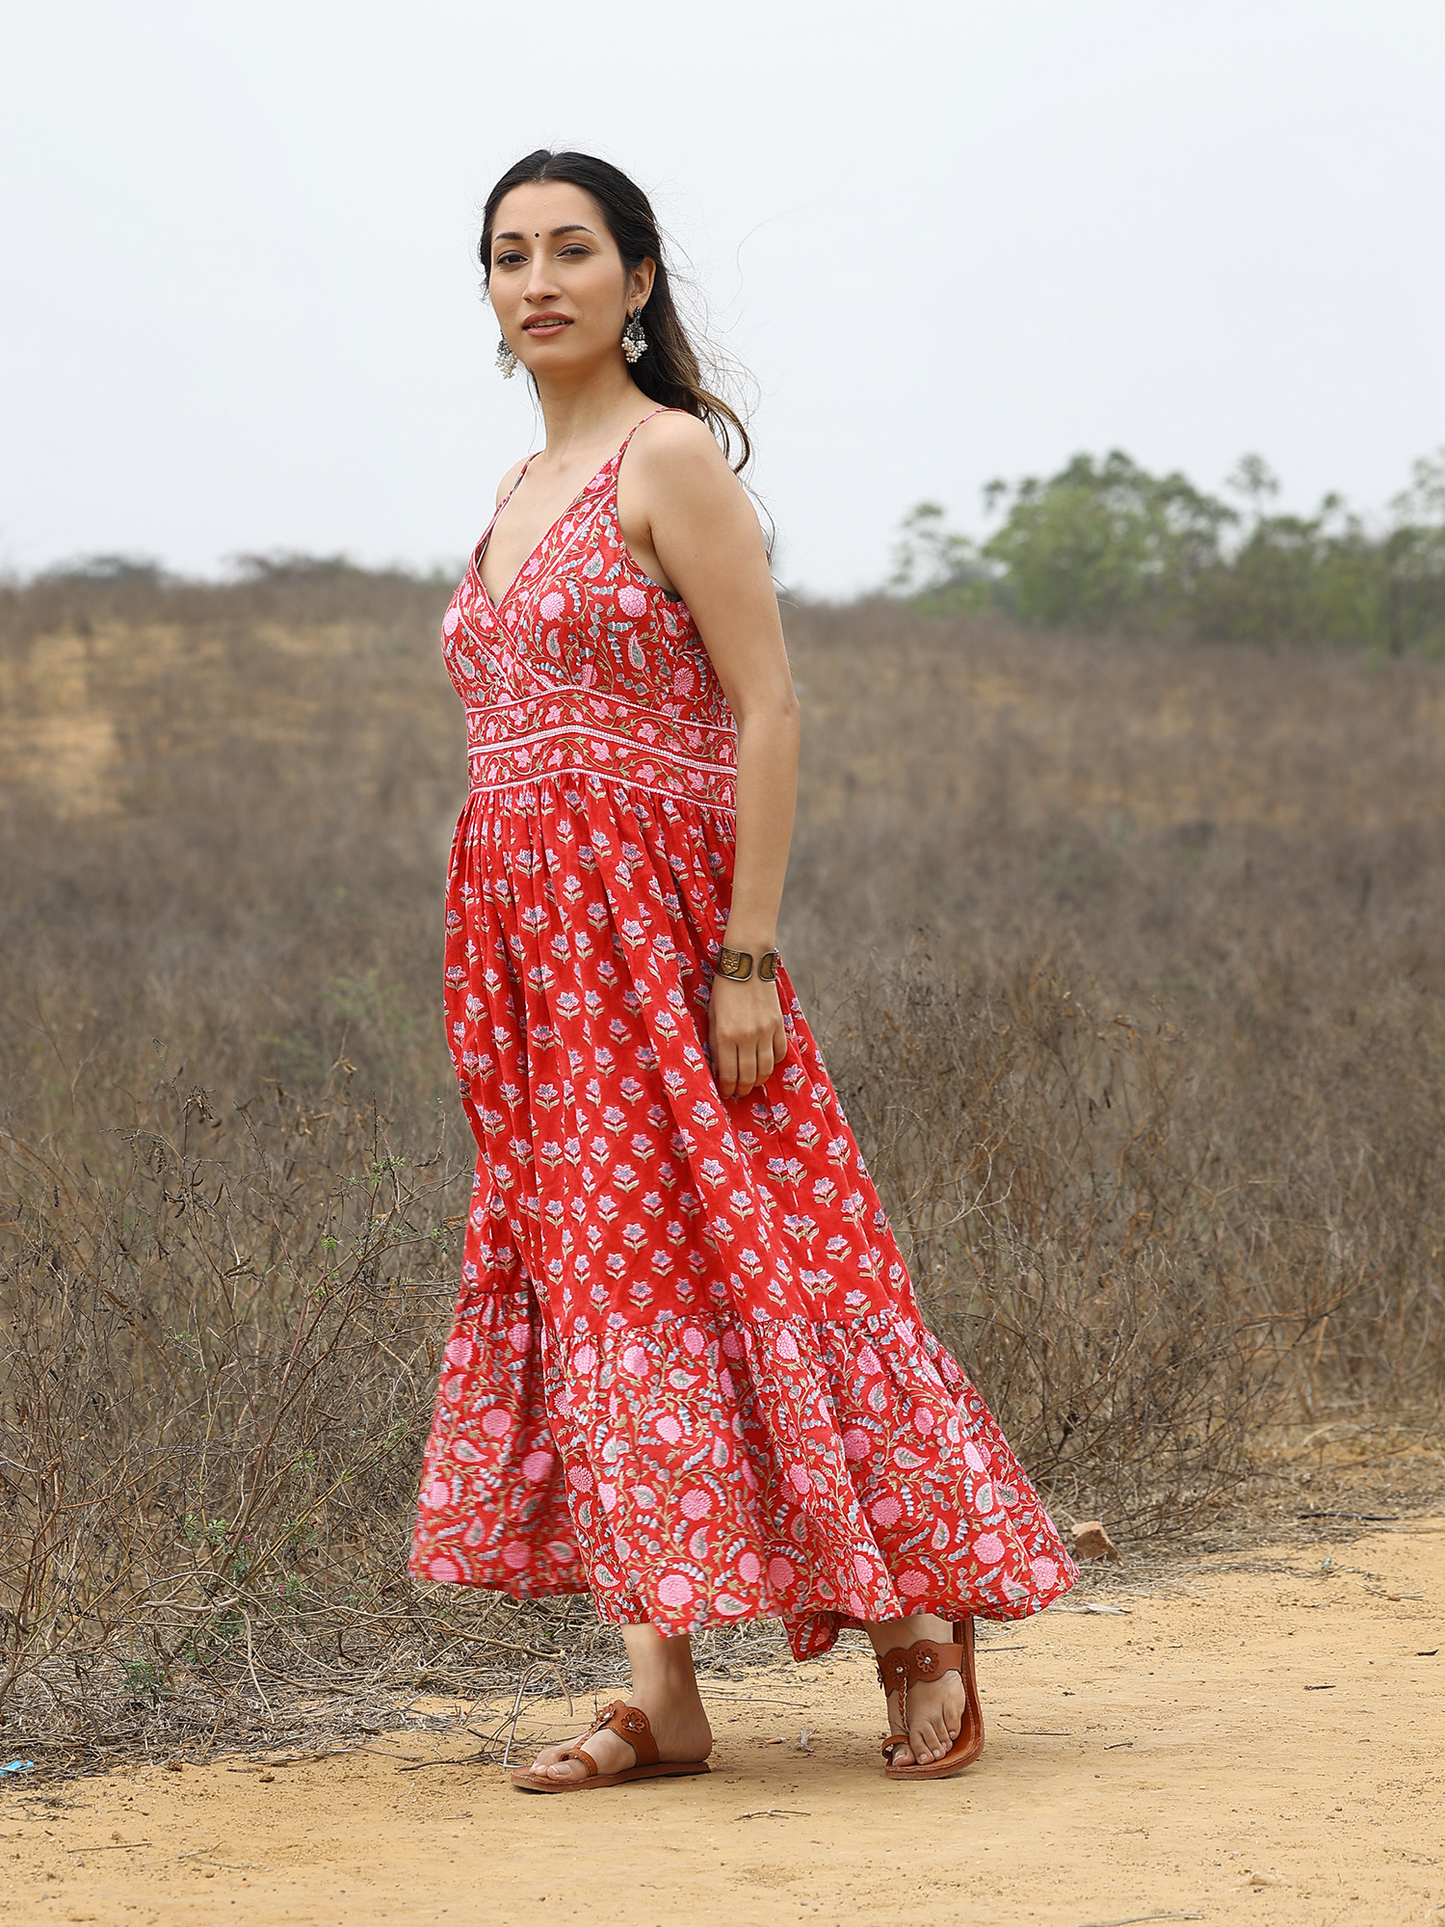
column 745, row 1034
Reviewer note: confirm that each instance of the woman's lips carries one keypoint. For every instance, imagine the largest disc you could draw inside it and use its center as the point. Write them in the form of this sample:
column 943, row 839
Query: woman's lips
column 546, row 324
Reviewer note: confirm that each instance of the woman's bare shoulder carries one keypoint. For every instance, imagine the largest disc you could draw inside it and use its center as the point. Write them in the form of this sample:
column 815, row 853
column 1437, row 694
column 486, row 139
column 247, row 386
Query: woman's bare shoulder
column 676, row 448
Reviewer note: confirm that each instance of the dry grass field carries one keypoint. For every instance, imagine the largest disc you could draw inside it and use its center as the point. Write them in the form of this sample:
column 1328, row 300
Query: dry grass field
column 1130, row 959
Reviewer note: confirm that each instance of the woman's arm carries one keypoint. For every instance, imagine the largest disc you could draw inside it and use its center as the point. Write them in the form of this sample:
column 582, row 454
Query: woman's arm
column 704, row 533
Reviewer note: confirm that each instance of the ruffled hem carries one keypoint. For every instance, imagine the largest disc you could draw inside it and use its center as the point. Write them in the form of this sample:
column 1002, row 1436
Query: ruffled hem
column 706, row 1469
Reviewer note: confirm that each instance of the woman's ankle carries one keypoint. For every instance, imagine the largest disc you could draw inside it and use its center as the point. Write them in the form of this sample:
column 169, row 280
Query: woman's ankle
column 885, row 1634
column 661, row 1668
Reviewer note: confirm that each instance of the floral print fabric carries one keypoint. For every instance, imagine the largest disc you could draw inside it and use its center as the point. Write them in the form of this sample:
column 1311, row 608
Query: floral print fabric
column 687, row 1371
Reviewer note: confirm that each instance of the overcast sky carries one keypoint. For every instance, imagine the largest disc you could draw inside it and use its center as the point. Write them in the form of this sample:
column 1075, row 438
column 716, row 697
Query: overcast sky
column 951, row 241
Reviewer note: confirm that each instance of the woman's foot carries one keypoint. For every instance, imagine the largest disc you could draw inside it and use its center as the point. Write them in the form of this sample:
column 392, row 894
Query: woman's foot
column 935, row 1707
column 664, row 1686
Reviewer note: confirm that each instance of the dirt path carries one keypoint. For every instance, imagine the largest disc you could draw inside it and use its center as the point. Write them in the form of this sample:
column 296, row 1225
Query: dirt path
column 1257, row 1740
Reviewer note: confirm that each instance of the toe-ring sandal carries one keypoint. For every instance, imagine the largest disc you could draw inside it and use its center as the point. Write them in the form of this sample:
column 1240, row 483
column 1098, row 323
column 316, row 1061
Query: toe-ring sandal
column 629, row 1723
column 925, row 1661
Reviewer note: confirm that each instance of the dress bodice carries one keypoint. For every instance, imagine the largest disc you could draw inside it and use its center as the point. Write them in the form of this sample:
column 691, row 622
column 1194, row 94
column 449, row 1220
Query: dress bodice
column 587, row 665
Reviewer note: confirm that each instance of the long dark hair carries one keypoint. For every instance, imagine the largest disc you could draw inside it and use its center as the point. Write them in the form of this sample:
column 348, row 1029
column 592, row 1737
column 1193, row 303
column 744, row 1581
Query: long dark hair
column 669, row 372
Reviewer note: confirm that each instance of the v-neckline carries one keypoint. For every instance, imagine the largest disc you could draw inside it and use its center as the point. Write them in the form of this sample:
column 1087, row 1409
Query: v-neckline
column 551, row 529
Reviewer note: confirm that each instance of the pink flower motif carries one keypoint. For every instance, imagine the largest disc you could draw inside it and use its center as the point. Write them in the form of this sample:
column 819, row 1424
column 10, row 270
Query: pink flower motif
column 436, row 1493
column 460, row 1350
column 856, row 1444
column 886, row 1511
column 693, row 1341
column 1045, row 1573
column 552, row 605
column 496, row 1423
column 668, row 1428
column 973, row 1458
column 516, row 1554
column 537, row 1466
column 674, row 1589
column 630, row 600
column 922, row 1420
column 780, row 1571
column 697, row 1503
column 865, row 1569
column 750, row 1567
column 445, row 1571
column 787, row 1346
column 913, row 1584
column 798, row 1474
column 988, row 1548
column 634, row 1360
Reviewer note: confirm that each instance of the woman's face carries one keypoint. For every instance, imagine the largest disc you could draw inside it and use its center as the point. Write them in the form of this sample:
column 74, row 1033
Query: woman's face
column 558, row 286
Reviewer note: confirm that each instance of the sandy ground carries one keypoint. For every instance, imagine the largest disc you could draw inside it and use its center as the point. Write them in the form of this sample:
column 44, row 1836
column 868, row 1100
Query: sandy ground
column 1257, row 1738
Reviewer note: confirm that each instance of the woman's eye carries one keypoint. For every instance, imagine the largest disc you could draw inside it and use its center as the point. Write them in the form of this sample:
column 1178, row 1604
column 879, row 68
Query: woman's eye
column 507, row 260
column 578, row 250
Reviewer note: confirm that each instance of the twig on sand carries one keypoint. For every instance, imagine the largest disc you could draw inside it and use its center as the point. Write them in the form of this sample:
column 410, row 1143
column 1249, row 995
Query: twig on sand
column 522, row 1684
column 777, row 1813
column 1128, row 1920
column 1114, row 1611
column 464, row 1759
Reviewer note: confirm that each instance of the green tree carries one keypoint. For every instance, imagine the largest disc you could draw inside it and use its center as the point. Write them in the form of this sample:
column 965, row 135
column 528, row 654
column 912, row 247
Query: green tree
column 1415, row 559
column 1105, row 545
column 932, row 560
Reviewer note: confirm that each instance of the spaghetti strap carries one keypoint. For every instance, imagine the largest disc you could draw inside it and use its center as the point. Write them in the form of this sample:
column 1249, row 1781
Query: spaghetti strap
column 662, row 410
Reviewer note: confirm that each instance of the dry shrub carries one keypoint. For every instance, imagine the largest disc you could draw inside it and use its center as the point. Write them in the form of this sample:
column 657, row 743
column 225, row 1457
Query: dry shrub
column 222, row 1342
column 1241, row 851
column 1057, row 1224
column 1130, row 962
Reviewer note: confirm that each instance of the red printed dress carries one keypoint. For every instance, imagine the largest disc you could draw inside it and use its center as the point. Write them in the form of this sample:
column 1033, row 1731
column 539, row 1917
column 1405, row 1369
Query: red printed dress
column 687, row 1371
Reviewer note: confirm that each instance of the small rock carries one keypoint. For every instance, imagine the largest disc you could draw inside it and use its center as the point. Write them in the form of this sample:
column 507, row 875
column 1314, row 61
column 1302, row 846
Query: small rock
column 1091, row 1541
column 1265, row 1880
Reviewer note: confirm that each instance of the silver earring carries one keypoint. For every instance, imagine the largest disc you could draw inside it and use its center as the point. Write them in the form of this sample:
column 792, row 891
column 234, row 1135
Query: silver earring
column 634, row 341
column 506, row 360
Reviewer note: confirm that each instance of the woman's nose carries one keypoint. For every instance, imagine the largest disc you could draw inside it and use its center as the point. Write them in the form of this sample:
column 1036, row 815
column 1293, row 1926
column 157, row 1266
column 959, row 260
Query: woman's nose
column 541, row 283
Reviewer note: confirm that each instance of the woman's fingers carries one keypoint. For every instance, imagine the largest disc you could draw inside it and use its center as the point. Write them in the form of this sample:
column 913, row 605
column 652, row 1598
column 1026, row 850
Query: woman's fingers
column 747, row 1038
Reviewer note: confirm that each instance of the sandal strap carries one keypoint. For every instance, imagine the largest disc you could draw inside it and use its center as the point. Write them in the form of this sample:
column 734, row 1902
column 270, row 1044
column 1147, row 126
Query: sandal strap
column 629, row 1723
column 916, row 1665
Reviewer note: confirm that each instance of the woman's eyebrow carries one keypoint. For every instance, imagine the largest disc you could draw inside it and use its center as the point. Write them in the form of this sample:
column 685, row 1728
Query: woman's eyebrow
column 572, row 227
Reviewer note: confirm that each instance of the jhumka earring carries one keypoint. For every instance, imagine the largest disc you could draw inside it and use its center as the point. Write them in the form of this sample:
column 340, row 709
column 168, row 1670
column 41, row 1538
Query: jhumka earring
column 506, row 360
column 634, row 341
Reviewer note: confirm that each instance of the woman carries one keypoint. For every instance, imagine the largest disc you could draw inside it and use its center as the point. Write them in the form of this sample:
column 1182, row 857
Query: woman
column 687, row 1370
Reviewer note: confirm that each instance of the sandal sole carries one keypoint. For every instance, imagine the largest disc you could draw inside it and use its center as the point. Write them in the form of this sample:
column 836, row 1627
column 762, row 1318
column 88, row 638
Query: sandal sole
column 659, row 1770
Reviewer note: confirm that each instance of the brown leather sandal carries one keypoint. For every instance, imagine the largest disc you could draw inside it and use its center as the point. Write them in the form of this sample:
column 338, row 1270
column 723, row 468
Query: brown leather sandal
column 926, row 1660
column 629, row 1723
